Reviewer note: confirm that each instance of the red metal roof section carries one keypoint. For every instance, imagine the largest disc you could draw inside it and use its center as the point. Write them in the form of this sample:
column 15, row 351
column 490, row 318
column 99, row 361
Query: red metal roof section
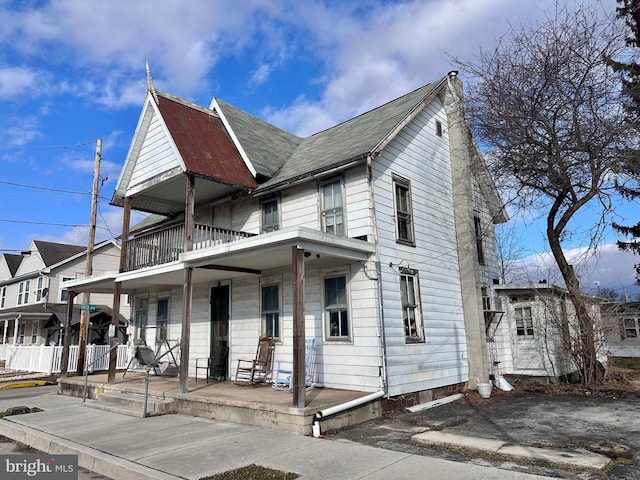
column 204, row 144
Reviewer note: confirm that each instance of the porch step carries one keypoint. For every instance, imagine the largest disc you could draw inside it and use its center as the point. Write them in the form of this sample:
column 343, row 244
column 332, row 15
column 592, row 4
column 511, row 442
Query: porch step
column 131, row 404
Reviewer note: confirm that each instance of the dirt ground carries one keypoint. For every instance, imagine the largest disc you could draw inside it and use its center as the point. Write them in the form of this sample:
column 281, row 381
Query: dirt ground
column 605, row 420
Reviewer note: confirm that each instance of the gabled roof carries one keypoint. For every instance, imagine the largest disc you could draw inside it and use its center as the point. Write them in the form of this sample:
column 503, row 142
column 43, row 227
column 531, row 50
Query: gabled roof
column 13, row 262
column 203, row 143
column 352, row 140
column 52, row 253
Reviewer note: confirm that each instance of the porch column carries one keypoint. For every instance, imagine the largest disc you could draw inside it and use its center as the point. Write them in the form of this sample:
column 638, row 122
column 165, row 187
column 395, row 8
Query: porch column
column 117, row 292
column 299, row 375
column 187, row 292
column 71, row 295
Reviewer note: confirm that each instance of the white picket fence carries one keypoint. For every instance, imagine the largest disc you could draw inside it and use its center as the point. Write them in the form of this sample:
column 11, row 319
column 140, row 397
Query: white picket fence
column 48, row 359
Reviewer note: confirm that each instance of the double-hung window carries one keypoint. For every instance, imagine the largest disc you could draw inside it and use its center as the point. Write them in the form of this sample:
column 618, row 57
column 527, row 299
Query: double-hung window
column 524, row 322
column 477, row 223
column 331, row 207
column 35, row 330
column 270, row 311
column 3, row 297
column 142, row 315
column 21, row 328
column 336, row 308
column 631, row 328
column 404, row 214
column 410, row 301
column 270, row 217
column 64, row 293
column 23, row 292
column 162, row 318
column 39, row 288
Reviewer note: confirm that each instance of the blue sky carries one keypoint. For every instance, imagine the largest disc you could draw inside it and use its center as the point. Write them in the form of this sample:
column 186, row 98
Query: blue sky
column 73, row 71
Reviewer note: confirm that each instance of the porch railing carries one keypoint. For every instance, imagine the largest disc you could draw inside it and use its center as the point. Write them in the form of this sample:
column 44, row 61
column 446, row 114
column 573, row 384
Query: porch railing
column 166, row 245
column 48, row 359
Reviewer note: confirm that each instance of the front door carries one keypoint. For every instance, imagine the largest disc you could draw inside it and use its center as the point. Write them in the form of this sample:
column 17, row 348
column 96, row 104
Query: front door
column 219, row 332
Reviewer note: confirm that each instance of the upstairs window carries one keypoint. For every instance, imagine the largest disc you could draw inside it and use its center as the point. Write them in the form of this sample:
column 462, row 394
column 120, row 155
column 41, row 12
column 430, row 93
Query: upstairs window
column 64, row 293
column 331, row 205
column 524, row 322
column 336, row 308
column 23, row 292
column 438, row 128
column 477, row 223
column 3, row 297
column 409, row 297
column 271, row 311
column 270, row 217
column 404, row 214
column 39, row 288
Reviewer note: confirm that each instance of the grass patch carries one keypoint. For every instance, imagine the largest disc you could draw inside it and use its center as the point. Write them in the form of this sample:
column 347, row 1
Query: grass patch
column 253, row 472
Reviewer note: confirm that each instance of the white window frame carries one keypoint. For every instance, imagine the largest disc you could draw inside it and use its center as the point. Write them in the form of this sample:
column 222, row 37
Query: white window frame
column 271, row 315
column 329, row 210
column 524, row 323
column 3, row 297
column 411, row 306
column 39, row 288
column 630, row 328
column 23, row 292
column 20, row 333
column 142, row 318
column 162, row 322
column 342, row 309
column 270, row 221
column 404, row 217
column 35, row 332
column 63, row 291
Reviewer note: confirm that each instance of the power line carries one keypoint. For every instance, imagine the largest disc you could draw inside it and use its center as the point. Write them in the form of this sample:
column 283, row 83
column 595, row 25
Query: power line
column 48, row 189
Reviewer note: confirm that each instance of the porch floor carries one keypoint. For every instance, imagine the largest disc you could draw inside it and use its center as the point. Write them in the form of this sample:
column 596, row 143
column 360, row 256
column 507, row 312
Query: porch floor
column 260, row 405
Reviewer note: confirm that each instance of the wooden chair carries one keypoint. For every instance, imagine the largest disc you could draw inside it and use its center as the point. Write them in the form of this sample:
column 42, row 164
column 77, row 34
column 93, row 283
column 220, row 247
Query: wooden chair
column 283, row 379
column 256, row 370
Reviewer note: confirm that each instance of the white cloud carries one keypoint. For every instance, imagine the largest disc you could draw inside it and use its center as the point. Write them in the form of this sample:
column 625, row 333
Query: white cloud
column 607, row 268
column 15, row 81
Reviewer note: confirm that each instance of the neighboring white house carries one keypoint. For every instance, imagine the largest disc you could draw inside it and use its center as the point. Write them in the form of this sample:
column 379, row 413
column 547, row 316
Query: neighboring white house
column 33, row 296
column 374, row 237
column 531, row 329
column 623, row 318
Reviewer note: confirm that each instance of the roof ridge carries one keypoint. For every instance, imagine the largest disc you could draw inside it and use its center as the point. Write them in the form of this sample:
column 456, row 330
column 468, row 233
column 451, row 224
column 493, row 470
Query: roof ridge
column 187, row 103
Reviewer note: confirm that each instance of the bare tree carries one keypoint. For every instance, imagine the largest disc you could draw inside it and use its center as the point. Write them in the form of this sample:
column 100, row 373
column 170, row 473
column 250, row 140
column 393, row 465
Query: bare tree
column 548, row 106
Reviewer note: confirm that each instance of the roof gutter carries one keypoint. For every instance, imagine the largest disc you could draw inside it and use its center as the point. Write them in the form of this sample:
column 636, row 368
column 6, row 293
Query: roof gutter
column 319, row 174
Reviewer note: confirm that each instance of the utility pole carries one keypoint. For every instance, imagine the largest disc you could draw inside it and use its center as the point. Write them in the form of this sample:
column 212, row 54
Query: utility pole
column 84, row 314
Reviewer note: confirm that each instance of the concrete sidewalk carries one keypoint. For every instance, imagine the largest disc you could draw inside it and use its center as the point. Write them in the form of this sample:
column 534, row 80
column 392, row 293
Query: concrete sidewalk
column 181, row 446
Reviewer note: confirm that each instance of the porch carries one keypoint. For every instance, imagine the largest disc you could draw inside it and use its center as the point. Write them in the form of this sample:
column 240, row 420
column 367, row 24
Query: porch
column 260, row 406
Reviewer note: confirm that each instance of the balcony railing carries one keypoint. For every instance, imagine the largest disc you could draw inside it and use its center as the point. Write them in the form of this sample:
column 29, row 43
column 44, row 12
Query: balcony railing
column 166, row 245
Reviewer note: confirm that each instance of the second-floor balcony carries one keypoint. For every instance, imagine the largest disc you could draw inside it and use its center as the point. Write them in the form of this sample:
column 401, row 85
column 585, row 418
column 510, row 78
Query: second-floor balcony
column 166, row 245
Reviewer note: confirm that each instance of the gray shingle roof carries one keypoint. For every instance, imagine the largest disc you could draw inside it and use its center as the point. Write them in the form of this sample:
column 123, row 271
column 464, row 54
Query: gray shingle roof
column 53, row 253
column 13, row 262
column 266, row 145
column 350, row 140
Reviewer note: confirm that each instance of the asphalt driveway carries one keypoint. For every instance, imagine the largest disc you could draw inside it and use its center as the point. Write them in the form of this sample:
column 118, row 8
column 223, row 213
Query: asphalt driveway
column 606, row 423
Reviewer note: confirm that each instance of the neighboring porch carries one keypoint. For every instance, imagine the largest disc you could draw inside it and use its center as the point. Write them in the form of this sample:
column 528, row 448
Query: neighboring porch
column 261, row 406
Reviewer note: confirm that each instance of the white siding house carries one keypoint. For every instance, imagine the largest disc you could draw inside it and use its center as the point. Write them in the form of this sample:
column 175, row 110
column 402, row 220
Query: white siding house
column 364, row 218
column 33, row 296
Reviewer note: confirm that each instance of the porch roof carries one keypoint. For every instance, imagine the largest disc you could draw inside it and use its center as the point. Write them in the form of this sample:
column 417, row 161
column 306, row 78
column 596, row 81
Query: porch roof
column 229, row 260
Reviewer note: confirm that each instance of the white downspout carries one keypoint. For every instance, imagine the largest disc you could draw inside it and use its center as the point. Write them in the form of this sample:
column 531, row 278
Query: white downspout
column 341, row 408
